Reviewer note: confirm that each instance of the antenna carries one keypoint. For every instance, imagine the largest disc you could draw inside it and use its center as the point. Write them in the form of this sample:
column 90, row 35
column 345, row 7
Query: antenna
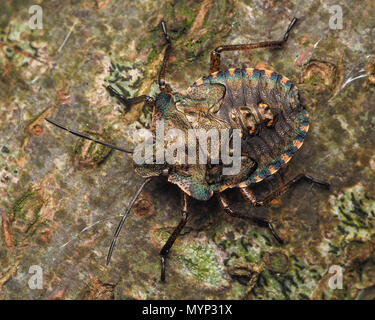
column 81, row 135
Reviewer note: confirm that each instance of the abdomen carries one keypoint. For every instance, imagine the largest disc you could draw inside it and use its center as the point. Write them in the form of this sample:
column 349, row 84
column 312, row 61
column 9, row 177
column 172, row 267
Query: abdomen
column 249, row 92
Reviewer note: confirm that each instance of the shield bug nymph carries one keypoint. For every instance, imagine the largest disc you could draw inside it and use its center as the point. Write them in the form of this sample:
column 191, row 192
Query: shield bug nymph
column 262, row 104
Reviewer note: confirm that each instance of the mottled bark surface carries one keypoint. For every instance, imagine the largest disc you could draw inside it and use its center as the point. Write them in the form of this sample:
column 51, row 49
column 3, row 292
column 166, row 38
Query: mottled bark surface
column 61, row 198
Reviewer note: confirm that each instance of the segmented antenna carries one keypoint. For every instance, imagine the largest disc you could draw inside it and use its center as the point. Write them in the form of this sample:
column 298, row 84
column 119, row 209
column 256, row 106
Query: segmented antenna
column 81, row 135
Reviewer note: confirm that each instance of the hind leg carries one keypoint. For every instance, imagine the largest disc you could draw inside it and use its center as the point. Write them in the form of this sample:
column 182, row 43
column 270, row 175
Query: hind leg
column 224, row 203
column 250, row 197
column 215, row 55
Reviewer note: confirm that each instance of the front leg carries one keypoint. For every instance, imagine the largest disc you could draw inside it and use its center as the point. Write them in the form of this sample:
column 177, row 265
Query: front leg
column 130, row 101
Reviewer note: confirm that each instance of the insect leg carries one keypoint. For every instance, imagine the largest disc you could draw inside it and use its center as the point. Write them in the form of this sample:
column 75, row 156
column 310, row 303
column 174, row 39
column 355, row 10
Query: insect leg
column 168, row 245
column 215, row 54
column 117, row 232
column 280, row 191
column 162, row 84
column 130, row 101
column 224, row 203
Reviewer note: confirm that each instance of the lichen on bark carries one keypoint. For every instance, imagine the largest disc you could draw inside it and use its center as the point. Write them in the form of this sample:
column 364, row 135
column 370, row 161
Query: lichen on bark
column 61, row 216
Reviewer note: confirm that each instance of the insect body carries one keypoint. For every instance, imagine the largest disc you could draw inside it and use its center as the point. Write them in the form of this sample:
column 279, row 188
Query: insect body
column 262, row 104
